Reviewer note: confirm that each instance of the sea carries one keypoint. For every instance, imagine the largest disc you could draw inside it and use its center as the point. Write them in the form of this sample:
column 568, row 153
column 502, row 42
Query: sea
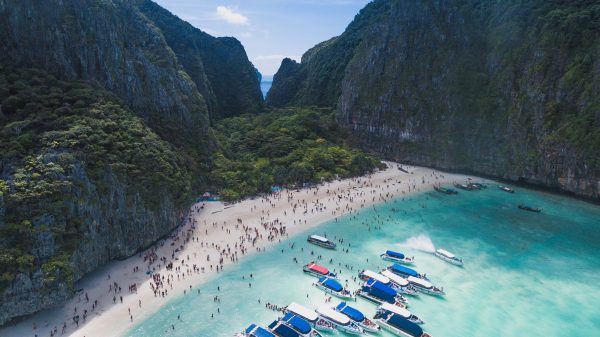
column 524, row 274
column 265, row 85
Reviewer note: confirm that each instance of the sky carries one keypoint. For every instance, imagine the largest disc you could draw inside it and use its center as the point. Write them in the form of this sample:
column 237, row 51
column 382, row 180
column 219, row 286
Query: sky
column 269, row 29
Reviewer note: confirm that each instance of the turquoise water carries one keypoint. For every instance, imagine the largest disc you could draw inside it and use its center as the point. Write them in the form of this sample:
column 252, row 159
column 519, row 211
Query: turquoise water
column 525, row 273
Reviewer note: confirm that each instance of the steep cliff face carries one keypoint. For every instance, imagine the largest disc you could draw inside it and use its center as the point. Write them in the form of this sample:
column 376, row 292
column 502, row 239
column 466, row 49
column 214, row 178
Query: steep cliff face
column 503, row 88
column 75, row 188
column 219, row 66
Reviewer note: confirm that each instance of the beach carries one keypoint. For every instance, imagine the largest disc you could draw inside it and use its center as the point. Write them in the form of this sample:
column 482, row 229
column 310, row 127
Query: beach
column 116, row 297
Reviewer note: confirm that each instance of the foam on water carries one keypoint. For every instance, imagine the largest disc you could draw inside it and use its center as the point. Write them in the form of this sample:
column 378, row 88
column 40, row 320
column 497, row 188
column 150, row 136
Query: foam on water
column 420, row 242
column 525, row 273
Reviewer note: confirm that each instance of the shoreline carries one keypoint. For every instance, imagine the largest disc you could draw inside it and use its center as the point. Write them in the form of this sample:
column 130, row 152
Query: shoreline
column 214, row 237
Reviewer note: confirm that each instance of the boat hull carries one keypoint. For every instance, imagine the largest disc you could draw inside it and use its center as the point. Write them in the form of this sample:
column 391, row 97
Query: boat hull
column 377, row 300
column 343, row 296
column 327, row 245
column 405, row 260
column 449, row 260
column 319, row 275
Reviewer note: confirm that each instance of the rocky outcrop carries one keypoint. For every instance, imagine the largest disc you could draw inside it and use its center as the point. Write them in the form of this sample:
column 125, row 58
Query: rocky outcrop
column 499, row 88
column 219, row 66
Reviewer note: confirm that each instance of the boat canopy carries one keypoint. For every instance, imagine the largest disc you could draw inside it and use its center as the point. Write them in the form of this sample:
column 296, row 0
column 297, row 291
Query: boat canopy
column 394, row 254
column 404, row 270
column 319, row 269
column 349, row 311
column 333, row 315
column 376, row 276
column 283, row 330
column 395, row 310
column 256, row 331
column 380, row 290
column 446, row 253
column 319, row 238
column 298, row 323
column 331, row 284
column 405, row 325
column 420, row 282
column 309, row 315
column 399, row 280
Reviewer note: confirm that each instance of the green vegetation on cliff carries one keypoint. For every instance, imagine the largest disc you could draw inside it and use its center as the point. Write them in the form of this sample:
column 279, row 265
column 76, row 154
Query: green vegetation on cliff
column 59, row 139
column 282, row 147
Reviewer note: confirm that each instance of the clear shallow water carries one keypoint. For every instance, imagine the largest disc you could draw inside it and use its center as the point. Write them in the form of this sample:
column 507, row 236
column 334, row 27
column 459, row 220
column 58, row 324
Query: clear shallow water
column 525, row 273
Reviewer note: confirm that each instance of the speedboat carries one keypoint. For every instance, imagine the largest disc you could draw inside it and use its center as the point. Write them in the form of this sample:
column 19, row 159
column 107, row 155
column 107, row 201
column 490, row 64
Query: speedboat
column 425, row 286
column 315, row 270
column 386, row 307
column 340, row 321
column 397, row 257
column 506, row 189
column 405, row 271
column 301, row 327
column 333, row 287
column 310, row 316
column 530, row 209
column 478, row 186
column 448, row 257
column 399, row 325
column 321, row 241
column 445, row 190
column 255, row 331
column 357, row 317
column 399, row 283
column 367, row 274
column 378, row 293
column 464, row 187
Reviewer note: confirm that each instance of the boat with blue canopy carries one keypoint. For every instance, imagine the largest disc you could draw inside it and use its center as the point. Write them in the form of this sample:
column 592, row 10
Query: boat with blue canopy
column 425, row 286
column 399, row 283
column 397, row 257
column 255, row 331
column 300, row 325
column 333, row 287
column 309, row 316
column 340, row 321
column 280, row 329
column 399, row 325
column 386, row 307
column 357, row 317
column 378, row 293
column 405, row 271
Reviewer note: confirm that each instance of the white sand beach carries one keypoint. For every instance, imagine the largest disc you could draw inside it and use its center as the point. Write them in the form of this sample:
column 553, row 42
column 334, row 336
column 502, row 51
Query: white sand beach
column 215, row 236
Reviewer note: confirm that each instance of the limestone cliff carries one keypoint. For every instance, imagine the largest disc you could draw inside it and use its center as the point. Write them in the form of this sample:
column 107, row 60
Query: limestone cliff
column 503, row 88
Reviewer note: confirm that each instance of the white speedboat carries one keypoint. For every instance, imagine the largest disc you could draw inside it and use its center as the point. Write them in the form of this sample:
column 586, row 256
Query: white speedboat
column 321, row 241
column 405, row 271
column 425, row 286
column 357, row 317
column 448, row 257
column 378, row 293
column 397, row 257
column 255, row 331
column 340, row 321
column 310, row 316
column 399, row 325
column 316, row 270
column 386, row 307
column 399, row 283
column 333, row 287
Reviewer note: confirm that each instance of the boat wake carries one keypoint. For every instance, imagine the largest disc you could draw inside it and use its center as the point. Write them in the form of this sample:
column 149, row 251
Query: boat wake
column 420, row 242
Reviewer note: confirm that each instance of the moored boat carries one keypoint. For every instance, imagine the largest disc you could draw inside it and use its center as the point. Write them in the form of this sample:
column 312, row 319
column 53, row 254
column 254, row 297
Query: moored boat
column 464, row 187
column 386, row 307
column 506, row 189
column 478, row 186
column 333, row 287
column 321, row 241
column 369, row 274
column 316, row 270
column 255, row 331
column 405, row 271
column 298, row 324
column 340, row 321
column 378, row 293
column 445, row 190
column 425, row 286
column 357, row 317
column 448, row 257
column 310, row 316
column 399, row 283
column 397, row 257
column 399, row 325
column 529, row 208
